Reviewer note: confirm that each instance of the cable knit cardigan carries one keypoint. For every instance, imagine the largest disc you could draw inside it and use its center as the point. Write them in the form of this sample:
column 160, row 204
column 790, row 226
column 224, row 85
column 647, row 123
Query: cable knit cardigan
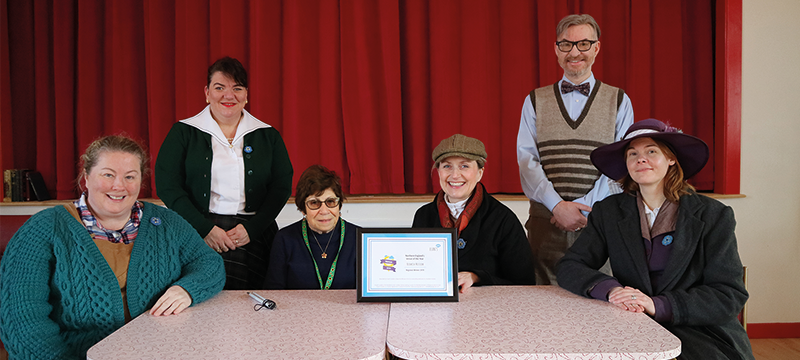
column 58, row 296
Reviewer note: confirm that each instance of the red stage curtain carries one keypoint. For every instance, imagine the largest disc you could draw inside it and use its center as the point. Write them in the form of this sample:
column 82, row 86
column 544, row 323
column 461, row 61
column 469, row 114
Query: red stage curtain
column 366, row 88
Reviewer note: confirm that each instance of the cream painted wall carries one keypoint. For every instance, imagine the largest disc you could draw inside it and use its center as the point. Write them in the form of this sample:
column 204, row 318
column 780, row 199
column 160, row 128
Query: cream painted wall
column 768, row 218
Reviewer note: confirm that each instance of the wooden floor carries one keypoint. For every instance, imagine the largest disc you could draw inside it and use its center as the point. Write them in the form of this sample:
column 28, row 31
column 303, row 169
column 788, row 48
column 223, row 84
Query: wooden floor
column 776, row 349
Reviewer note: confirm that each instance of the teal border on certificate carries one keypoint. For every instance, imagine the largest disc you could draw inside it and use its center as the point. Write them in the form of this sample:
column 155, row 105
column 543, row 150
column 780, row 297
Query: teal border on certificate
column 377, row 251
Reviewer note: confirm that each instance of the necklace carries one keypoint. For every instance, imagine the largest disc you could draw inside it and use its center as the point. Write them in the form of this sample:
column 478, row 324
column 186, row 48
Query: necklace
column 324, row 252
column 230, row 140
column 335, row 260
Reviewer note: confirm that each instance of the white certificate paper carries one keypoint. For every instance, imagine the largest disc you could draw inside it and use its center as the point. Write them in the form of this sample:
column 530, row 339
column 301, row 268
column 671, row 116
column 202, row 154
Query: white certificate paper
column 407, row 264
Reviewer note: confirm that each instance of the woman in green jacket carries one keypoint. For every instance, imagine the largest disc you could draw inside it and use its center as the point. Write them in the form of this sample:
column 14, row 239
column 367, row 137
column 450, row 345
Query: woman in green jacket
column 229, row 175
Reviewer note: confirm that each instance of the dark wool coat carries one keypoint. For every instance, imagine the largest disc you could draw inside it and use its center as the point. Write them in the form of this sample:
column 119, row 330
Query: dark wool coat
column 702, row 279
column 496, row 250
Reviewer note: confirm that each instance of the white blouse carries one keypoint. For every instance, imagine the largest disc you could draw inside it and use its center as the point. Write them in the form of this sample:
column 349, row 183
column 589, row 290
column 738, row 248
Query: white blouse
column 227, row 166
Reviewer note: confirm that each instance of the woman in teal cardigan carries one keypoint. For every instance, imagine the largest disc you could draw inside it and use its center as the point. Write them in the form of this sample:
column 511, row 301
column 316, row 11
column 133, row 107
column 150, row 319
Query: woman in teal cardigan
column 229, row 175
column 69, row 278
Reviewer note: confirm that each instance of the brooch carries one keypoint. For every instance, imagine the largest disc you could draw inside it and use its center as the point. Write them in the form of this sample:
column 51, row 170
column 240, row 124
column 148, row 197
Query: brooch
column 155, row 221
column 667, row 240
column 248, row 149
column 461, row 244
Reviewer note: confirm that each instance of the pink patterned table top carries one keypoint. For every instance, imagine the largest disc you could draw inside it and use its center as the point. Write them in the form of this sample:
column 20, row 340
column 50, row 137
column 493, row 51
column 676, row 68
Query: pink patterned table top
column 525, row 322
column 307, row 324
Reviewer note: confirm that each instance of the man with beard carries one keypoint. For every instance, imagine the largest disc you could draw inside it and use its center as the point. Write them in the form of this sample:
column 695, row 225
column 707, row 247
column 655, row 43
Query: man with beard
column 561, row 124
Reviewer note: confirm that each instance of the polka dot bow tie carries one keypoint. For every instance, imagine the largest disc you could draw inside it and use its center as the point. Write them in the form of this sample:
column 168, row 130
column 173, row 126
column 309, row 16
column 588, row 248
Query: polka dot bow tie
column 567, row 88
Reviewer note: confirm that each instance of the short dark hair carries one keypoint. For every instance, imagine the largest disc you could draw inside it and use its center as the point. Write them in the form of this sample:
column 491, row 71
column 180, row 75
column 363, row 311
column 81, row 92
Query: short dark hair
column 314, row 181
column 674, row 183
column 229, row 67
column 577, row 19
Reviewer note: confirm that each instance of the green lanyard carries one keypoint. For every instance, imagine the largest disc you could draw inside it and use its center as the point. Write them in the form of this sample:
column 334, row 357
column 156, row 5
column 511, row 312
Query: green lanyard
column 333, row 266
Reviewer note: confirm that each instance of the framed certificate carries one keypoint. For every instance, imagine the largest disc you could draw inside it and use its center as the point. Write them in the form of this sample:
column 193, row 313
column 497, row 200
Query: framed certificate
column 406, row 265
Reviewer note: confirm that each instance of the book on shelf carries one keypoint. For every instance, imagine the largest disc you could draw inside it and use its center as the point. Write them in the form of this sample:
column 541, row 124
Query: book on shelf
column 24, row 185
column 7, row 185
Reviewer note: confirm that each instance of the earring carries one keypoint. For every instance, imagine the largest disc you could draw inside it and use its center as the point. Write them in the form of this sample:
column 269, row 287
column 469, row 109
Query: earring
column 208, row 102
column 245, row 101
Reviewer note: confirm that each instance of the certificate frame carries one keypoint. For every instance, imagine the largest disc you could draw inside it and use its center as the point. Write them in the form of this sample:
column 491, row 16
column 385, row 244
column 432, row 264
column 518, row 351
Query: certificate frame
column 406, row 265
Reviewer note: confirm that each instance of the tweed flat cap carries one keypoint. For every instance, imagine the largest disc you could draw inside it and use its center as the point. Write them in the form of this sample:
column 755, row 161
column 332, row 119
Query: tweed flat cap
column 460, row 145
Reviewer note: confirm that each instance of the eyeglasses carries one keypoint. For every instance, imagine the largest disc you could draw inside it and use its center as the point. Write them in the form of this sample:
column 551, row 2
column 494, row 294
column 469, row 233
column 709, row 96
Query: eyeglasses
column 583, row 45
column 315, row 204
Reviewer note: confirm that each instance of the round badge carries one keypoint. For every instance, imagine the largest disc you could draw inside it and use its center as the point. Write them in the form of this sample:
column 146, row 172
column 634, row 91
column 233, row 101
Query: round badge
column 461, row 244
column 667, row 240
column 248, row 149
column 155, row 221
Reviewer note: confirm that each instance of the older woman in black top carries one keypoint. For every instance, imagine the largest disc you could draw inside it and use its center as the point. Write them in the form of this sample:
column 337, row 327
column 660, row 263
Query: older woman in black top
column 672, row 251
column 492, row 247
column 319, row 251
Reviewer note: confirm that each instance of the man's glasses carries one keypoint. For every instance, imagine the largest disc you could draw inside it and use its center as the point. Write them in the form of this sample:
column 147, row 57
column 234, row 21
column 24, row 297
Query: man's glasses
column 583, row 45
column 315, row 204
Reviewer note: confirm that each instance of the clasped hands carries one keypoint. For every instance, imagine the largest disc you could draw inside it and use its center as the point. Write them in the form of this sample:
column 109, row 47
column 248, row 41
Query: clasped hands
column 630, row 299
column 567, row 216
column 222, row 241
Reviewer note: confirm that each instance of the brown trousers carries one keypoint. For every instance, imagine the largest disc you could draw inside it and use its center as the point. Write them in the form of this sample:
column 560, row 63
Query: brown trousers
column 549, row 243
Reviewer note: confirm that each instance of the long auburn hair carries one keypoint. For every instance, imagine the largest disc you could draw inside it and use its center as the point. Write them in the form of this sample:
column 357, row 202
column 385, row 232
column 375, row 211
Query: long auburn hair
column 674, row 184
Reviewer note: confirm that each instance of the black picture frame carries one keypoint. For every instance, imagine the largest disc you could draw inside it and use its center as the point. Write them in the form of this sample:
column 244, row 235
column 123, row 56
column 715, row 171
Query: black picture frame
column 417, row 251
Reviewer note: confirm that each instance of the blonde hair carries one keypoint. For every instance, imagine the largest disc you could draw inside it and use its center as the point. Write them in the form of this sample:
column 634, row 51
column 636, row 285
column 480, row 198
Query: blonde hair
column 112, row 143
column 577, row 19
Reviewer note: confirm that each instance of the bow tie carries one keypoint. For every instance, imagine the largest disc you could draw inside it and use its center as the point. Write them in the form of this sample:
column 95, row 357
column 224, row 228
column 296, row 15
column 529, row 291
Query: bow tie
column 567, row 88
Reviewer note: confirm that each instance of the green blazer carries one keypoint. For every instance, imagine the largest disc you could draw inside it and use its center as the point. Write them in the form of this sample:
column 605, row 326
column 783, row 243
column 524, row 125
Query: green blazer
column 183, row 176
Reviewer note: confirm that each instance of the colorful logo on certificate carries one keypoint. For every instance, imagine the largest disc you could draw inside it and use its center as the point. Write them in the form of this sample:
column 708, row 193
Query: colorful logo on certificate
column 388, row 263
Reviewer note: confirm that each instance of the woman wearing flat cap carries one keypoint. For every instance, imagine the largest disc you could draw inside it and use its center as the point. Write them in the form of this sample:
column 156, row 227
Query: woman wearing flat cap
column 673, row 252
column 492, row 247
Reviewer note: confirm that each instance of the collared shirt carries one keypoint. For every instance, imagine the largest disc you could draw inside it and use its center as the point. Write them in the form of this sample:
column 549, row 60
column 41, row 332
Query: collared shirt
column 456, row 208
column 126, row 235
column 227, row 166
column 534, row 181
column 651, row 215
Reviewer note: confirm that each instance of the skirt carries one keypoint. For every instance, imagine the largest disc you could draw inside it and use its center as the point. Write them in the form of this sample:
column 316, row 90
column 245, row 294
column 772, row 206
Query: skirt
column 245, row 267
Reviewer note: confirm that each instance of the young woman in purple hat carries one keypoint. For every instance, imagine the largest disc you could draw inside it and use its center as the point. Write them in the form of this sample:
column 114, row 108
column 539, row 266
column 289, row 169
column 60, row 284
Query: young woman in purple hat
column 673, row 252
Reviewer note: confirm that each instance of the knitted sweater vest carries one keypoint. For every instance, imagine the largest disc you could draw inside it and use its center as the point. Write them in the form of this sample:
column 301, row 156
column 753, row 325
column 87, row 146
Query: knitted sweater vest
column 565, row 145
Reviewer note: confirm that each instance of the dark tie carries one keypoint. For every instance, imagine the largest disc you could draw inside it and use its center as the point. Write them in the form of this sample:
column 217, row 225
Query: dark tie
column 567, row 88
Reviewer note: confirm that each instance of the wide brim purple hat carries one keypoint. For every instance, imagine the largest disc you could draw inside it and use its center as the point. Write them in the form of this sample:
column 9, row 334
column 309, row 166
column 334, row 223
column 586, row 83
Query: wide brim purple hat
column 692, row 153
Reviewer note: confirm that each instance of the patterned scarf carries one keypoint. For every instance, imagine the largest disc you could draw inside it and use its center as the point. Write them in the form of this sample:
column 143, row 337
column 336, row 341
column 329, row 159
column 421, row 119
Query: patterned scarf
column 461, row 223
column 97, row 231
